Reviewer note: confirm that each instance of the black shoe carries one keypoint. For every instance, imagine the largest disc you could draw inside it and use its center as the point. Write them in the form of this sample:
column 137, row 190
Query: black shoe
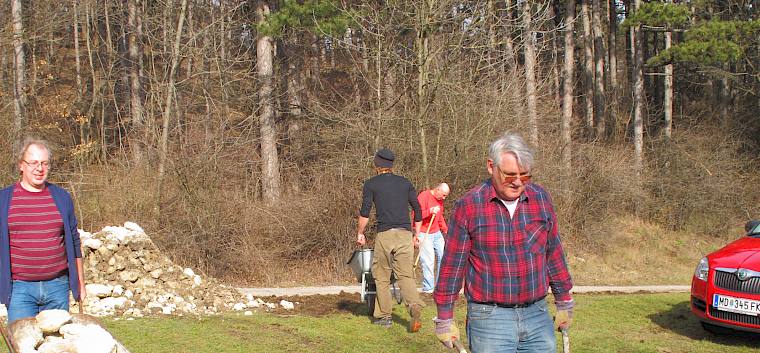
column 383, row 321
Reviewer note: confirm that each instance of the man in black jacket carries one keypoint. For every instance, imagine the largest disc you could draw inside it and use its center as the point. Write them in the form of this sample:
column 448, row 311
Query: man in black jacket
column 394, row 244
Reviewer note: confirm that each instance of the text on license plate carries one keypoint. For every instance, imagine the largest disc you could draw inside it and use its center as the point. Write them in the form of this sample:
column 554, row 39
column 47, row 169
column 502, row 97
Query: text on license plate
column 736, row 305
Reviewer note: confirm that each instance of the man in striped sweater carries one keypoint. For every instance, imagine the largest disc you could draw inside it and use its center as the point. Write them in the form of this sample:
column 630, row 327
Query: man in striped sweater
column 40, row 254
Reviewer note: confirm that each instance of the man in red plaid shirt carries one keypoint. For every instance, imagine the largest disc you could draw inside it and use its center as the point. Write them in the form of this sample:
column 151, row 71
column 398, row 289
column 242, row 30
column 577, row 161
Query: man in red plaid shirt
column 504, row 243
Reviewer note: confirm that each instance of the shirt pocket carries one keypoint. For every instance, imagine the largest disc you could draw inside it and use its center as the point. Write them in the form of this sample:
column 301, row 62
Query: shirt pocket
column 536, row 233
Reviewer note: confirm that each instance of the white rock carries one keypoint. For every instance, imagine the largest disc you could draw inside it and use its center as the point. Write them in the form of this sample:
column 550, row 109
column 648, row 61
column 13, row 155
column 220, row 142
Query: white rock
column 188, row 272
column 50, row 321
column 89, row 338
column 93, row 243
column 238, row 306
column 99, row 290
column 271, row 305
column 133, row 227
column 54, row 344
column 287, row 305
column 128, row 293
column 118, row 290
column 117, row 234
column 253, row 304
column 197, row 281
column 83, row 234
column 112, row 303
column 248, row 313
column 129, row 276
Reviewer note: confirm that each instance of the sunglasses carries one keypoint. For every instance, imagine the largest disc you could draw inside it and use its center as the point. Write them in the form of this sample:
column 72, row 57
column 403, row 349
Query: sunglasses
column 509, row 179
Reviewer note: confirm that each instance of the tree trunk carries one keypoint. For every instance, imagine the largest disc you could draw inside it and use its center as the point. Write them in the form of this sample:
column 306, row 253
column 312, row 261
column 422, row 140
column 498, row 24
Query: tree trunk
column 667, row 104
column 530, row 73
column 588, row 69
column 270, row 165
column 170, row 92
column 613, row 88
column 295, row 113
column 422, row 44
column 600, row 116
column 135, row 93
column 638, row 96
column 77, row 62
column 509, row 45
column 567, row 85
column 19, row 92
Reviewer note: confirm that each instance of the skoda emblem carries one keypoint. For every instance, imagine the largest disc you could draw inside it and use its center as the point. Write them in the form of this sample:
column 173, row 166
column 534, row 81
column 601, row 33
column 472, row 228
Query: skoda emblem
column 742, row 274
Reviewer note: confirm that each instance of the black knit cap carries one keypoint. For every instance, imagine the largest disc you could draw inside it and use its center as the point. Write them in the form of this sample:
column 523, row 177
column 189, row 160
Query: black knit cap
column 384, row 158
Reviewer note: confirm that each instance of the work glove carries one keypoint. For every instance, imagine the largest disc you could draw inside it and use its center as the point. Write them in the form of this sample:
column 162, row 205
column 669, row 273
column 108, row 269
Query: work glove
column 360, row 239
column 435, row 209
column 446, row 331
column 564, row 316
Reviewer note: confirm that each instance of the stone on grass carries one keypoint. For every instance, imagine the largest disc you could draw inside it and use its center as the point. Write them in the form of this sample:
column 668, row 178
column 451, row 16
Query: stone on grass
column 50, row 321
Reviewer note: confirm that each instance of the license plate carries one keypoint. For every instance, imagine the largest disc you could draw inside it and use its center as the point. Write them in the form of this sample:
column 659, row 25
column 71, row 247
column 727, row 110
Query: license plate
column 736, row 305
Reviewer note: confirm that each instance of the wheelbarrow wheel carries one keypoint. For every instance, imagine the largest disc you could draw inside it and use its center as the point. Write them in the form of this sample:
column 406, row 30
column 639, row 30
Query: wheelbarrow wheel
column 370, row 304
column 396, row 293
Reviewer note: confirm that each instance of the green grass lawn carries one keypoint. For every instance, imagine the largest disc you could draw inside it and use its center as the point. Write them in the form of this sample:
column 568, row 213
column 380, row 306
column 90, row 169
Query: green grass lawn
column 603, row 323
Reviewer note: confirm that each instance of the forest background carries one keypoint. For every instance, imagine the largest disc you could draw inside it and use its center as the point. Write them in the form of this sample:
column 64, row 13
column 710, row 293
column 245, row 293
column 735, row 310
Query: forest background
column 238, row 133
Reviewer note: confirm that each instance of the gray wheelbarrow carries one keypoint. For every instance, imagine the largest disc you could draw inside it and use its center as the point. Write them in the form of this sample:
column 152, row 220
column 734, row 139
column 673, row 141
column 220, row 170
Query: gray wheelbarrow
column 361, row 263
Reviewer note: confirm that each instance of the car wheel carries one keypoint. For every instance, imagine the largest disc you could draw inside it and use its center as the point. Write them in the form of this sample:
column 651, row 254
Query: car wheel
column 717, row 330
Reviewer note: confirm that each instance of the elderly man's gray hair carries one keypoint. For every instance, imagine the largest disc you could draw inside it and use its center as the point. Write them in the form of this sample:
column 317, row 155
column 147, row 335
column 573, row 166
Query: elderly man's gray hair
column 513, row 143
column 24, row 146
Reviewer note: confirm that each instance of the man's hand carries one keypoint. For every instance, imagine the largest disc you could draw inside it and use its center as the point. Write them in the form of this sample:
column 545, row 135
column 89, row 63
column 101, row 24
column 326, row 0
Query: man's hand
column 416, row 241
column 446, row 331
column 360, row 239
column 563, row 319
column 435, row 209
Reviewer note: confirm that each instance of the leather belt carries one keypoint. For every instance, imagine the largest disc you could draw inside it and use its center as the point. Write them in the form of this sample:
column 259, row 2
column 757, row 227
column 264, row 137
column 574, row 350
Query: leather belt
column 512, row 306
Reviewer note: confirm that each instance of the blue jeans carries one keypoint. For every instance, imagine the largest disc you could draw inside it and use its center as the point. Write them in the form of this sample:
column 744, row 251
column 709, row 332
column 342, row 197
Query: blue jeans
column 431, row 250
column 28, row 298
column 494, row 329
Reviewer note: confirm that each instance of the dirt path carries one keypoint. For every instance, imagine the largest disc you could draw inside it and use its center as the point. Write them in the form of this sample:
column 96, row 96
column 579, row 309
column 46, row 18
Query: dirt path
column 328, row 300
column 329, row 290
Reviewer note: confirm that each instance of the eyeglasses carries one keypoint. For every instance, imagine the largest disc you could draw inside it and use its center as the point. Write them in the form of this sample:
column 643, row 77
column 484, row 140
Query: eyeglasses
column 509, row 179
column 35, row 164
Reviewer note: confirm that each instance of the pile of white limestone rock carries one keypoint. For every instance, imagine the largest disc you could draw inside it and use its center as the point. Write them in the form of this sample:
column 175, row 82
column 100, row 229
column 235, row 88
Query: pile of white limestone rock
column 128, row 276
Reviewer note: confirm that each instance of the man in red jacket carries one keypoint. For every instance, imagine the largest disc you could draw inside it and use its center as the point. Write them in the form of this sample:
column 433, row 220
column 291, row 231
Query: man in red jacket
column 432, row 242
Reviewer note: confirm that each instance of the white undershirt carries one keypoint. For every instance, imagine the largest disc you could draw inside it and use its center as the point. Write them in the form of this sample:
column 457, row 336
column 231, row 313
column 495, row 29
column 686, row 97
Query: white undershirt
column 511, row 206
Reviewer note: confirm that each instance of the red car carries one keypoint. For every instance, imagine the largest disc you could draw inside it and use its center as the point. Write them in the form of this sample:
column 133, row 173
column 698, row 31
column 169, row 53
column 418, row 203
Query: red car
column 725, row 289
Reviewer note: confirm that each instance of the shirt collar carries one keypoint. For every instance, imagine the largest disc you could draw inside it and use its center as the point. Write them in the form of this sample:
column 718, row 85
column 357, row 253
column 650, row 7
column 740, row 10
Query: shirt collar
column 490, row 192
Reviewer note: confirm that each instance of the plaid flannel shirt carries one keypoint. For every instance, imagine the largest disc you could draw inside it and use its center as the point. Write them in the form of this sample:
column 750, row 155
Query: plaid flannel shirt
column 504, row 260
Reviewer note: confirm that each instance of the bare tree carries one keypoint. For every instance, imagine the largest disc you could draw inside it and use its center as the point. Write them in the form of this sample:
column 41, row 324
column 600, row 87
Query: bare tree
column 530, row 71
column 19, row 92
column 588, row 69
column 170, row 93
column 612, row 78
column 600, row 116
column 270, row 164
column 638, row 94
column 135, row 93
column 667, row 104
column 567, row 85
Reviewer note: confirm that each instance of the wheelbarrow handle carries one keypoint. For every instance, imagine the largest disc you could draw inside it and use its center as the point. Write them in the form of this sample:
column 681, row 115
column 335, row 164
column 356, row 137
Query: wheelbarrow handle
column 7, row 338
column 565, row 340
